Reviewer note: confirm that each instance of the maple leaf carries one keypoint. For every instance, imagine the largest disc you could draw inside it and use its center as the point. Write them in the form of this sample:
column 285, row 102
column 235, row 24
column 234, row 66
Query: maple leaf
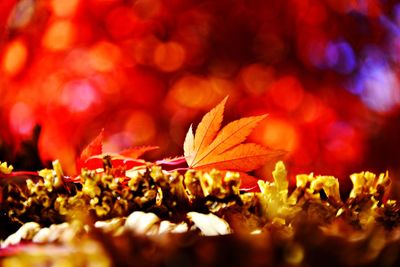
column 92, row 155
column 205, row 133
column 244, row 158
column 223, row 149
column 136, row 152
column 95, row 147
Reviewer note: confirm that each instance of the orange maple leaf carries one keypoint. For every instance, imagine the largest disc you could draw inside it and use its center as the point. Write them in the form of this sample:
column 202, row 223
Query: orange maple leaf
column 223, row 149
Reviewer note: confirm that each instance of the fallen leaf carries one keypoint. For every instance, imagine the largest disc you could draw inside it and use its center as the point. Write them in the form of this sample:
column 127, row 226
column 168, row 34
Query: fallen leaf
column 248, row 183
column 244, row 157
column 93, row 148
column 223, row 149
column 92, row 155
column 117, row 160
column 137, row 152
column 206, row 131
column 230, row 136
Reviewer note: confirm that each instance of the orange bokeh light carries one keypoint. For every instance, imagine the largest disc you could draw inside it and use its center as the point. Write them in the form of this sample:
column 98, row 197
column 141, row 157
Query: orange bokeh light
column 64, row 8
column 197, row 92
column 59, row 35
column 141, row 126
column 104, row 56
column 277, row 133
column 257, row 78
column 15, row 57
column 169, row 56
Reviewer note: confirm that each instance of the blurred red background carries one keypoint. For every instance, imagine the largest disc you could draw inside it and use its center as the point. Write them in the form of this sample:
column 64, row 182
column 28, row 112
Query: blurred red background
column 326, row 72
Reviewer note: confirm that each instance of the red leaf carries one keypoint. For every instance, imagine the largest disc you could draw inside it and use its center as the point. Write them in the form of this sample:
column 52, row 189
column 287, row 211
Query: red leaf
column 136, row 152
column 92, row 155
column 248, row 183
column 96, row 162
column 94, row 148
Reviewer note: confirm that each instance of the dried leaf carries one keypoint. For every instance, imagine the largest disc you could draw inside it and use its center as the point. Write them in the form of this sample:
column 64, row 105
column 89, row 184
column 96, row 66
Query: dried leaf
column 244, row 157
column 117, row 160
column 248, row 183
column 206, row 131
column 137, row 152
column 94, row 148
column 210, row 148
column 230, row 136
column 92, row 155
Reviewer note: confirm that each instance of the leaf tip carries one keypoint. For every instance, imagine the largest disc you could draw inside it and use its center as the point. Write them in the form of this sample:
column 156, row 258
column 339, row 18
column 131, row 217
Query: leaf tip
column 263, row 116
column 222, row 103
